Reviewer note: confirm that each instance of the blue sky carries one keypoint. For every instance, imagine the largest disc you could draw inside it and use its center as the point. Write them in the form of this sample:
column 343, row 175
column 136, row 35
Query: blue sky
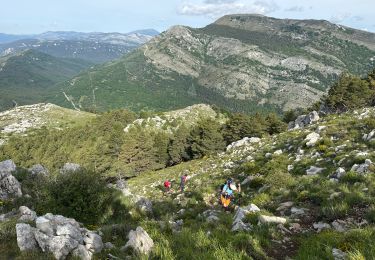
column 35, row 16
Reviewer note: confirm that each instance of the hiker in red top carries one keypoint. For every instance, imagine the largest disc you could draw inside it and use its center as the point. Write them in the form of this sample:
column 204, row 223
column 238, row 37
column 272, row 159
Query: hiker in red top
column 167, row 186
column 183, row 181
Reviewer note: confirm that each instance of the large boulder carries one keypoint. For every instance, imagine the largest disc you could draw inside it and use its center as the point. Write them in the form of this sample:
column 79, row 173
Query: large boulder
column 140, row 241
column 25, row 237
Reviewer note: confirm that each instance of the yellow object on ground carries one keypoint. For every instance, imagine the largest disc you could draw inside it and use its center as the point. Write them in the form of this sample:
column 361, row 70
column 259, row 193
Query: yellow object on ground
column 225, row 201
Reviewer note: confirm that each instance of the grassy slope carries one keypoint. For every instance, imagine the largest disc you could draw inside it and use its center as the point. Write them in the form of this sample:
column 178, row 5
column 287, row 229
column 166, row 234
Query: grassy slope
column 202, row 240
column 306, row 192
column 28, row 77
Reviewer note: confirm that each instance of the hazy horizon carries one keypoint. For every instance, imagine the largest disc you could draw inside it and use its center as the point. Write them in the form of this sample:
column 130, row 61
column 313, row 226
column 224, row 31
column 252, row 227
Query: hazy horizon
column 125, row 16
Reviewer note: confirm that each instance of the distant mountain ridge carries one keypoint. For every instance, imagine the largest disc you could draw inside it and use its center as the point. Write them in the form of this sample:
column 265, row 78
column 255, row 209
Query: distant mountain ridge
column 243, row 63
column 95, row 47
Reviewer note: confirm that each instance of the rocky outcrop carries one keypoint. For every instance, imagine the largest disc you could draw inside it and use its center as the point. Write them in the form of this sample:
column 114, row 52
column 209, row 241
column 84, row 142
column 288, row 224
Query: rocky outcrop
column 58, row 235
column 140, row 241
column 243, row 142
column 304, row 120
column 9, row 185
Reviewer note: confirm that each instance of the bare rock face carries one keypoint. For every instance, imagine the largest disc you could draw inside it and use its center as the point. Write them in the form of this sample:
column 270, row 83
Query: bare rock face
column 58, row 235
column 9, row 185
column 140, row 241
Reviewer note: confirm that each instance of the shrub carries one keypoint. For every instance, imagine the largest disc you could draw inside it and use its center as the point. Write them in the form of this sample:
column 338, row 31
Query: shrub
column 81, row 195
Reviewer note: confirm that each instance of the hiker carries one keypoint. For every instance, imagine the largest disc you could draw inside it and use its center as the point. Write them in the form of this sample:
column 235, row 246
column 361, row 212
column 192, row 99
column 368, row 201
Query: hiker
column 227, row 193
column 167, row 186
column 183, row 181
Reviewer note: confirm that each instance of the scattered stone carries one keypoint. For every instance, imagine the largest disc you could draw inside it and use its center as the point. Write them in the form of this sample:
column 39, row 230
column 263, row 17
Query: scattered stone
column 340, row 172
column 362, row 168
column 285, row 205
column 320, row 128
column 313, row 170
column 311, row 139
column 320, row 226
column 338, row 226
column 297, row 211
column 295, row 227
column 278, row 152
column 9, row 215
column 369, row 136
column 143, row 204
column 263, row 219
column 27, row 215
column 290, row 167
column 70, row 167
column 338, row 254
column 108, row 245
column 238, row 224
column 268, row 155
column 176, row 226
column 140, row 241
column 38, row 169
column 335, row 195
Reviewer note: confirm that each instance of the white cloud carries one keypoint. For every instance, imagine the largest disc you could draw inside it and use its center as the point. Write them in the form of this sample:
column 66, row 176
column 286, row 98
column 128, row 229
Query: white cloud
column 296, row 8
column 340, row 17
column 217, row 8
